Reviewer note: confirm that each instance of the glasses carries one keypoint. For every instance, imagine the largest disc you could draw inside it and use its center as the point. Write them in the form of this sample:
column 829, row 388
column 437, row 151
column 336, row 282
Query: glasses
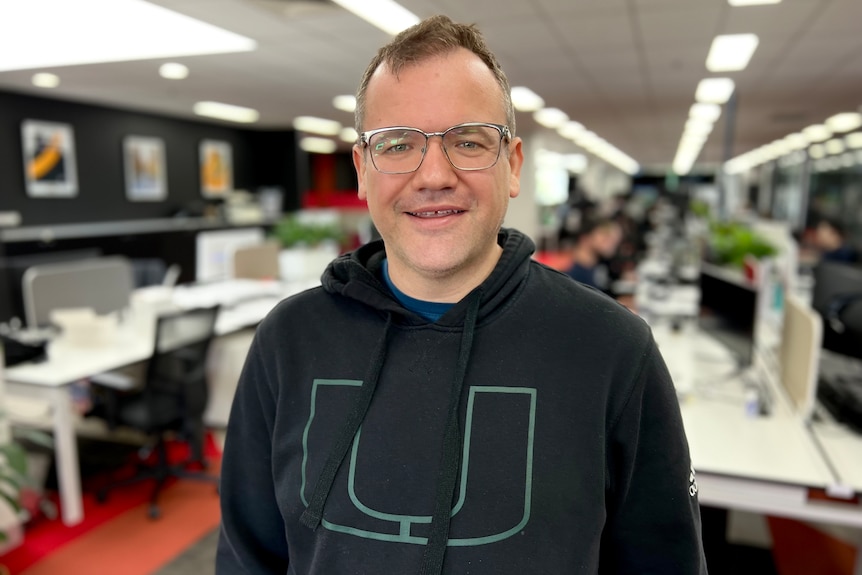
column 400, row 150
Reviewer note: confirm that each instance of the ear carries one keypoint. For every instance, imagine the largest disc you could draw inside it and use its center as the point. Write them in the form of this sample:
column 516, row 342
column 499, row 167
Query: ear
column 516, row 162
column 359, row 166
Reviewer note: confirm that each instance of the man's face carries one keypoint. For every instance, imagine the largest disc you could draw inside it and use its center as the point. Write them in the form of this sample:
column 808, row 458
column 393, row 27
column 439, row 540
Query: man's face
column 438, row 221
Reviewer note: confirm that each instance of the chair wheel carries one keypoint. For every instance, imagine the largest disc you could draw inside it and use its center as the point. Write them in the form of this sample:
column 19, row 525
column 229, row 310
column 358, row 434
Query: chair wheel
column 101, row 496
column 154, row 512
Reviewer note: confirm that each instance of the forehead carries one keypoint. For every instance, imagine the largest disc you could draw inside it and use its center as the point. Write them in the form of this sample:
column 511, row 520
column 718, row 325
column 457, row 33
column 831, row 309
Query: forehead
column 434, row 93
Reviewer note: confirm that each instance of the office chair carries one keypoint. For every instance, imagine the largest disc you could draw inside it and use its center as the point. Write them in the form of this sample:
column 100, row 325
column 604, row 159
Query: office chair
column 171, row 402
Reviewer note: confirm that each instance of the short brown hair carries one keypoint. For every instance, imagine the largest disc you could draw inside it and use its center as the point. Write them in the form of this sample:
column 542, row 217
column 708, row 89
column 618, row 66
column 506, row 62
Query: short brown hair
column 434, row 36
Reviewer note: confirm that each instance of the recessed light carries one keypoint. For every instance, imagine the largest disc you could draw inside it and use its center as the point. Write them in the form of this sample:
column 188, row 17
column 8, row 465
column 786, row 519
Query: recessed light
column 174, row 71
column 844, row 122
column 817, row 133
column 854, row 140
column 314, row 125
column 714, row 90
column 348, row 135
column 345, row 102
column 731, row 52
column 817, row 151
column 45, row 80
column 571, row 130
column 525, row 100
column 317, row 145
column 705, row 112
column 550, row 117
column 228, row 112
column 834, row 146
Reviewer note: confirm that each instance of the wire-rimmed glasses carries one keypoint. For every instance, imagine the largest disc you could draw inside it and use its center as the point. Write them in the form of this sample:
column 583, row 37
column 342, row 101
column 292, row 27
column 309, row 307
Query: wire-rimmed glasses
column 401, row 149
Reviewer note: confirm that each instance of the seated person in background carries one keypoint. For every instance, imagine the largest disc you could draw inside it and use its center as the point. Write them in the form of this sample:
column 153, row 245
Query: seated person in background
column 598, row 240
column 831, row 240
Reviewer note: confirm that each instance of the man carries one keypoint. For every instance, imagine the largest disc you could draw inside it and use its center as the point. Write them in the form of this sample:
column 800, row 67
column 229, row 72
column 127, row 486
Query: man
column 442, row 403
column 597, row 240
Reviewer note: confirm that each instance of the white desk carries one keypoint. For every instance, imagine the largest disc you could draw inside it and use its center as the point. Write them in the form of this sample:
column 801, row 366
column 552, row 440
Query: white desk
column 50, row 380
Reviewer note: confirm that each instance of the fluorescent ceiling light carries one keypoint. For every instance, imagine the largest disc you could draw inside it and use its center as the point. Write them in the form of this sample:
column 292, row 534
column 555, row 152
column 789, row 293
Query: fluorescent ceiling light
column 854, row 140
column 525, row 100
column 796, row 141
column 348, row 135
column 345, row 102
column 697, row 126
column 387, row 15
column 174, row 71
column 317, row 145
column 714, row 90
column 52, row 33
column 834, row 146
column 550, row 117
column 752, row 2
column 571, row 130
column 314, row 125
column 705, row 112
column 731, row 52
column 227, row 112
column 45, row 80
column 817, row 133
column 817, row 151
column 844, row 122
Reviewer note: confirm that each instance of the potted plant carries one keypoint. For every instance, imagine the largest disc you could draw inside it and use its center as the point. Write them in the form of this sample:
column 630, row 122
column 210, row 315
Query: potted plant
column 307, row 246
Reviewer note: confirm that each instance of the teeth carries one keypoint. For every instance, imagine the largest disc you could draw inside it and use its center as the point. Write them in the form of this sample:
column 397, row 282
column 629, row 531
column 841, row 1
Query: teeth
column 436, row 214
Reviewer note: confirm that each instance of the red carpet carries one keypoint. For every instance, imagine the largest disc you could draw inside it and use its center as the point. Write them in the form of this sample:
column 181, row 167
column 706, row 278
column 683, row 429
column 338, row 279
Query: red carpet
column 117, row 536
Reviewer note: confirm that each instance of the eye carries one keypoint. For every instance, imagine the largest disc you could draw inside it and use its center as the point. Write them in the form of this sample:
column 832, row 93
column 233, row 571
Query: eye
column 390, row 143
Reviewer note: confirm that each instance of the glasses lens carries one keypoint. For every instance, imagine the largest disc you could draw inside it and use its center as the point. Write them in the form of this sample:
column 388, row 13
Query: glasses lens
column 472, row 147
column 397, row 151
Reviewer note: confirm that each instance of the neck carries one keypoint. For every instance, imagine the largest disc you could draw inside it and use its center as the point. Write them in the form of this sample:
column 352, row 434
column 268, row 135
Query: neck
column 443, row 287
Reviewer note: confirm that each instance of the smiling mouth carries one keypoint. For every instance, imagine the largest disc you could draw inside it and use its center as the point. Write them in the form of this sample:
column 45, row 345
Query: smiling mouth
column 436, row 213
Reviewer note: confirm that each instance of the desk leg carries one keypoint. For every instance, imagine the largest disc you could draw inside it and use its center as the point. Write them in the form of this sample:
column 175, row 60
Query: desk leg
column 66, row 450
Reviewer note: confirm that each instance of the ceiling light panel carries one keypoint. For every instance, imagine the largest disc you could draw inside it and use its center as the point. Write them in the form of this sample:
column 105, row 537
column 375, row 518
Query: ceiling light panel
column 45, row 80
column 844, row 122
column 228, row 112
column 731, row 52
column 317, row 145
column 71, row 33
column 345, row 102
column 314, row 125
column 752, row 2
column 525, row 100
column 387, row 15
column 174, row 71
column 714, row 90
column 550, row 117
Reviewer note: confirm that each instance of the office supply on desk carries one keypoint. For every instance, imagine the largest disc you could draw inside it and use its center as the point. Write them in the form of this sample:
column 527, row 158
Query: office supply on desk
column 101, row 284
column 173, row 398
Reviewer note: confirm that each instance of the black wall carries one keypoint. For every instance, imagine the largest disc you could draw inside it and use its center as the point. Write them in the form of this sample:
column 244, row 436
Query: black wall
column 260, row 158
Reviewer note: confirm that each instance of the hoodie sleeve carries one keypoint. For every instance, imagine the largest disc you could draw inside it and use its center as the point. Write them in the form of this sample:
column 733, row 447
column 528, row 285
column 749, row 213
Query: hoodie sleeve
column 653, row 523
column 252, row 537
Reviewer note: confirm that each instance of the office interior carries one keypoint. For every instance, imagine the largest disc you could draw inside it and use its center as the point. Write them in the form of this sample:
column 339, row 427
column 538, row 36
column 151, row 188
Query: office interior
column 766, row 350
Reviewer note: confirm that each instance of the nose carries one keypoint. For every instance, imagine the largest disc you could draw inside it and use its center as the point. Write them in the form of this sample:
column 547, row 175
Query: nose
column 436, row 171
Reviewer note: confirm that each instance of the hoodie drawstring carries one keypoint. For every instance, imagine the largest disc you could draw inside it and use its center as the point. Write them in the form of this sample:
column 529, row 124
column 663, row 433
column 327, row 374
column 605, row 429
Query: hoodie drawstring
column 450, row 462
column 313, row 514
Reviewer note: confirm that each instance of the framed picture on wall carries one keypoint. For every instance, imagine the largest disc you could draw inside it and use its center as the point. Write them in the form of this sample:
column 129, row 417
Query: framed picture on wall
column 49, row 159
column 146, row 173
column 216, row 163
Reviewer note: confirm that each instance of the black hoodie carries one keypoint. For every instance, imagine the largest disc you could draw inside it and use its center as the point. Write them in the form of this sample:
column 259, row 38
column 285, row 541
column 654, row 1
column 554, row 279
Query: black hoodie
column 564, row 451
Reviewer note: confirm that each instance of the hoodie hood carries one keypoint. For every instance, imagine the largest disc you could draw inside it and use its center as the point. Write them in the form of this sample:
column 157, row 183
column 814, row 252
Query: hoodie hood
column 356, row 275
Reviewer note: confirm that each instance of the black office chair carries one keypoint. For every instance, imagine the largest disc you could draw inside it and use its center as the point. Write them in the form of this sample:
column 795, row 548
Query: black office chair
column 172, row 401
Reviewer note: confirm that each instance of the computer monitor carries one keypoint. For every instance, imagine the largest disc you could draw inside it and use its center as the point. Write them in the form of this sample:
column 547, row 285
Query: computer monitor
column 728, row 309
column 837, row 297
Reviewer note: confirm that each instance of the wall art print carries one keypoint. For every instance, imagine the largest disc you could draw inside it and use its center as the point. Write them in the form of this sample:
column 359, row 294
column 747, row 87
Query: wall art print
column 49, row 159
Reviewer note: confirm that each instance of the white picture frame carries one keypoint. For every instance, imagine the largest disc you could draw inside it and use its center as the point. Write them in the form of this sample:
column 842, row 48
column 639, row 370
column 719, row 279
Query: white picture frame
column 50, row 169
column 145, row 169
column 216, row 168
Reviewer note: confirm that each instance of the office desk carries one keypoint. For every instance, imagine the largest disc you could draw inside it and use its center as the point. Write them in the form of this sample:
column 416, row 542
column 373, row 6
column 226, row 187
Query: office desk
column 50, row 380
column 767, row 464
